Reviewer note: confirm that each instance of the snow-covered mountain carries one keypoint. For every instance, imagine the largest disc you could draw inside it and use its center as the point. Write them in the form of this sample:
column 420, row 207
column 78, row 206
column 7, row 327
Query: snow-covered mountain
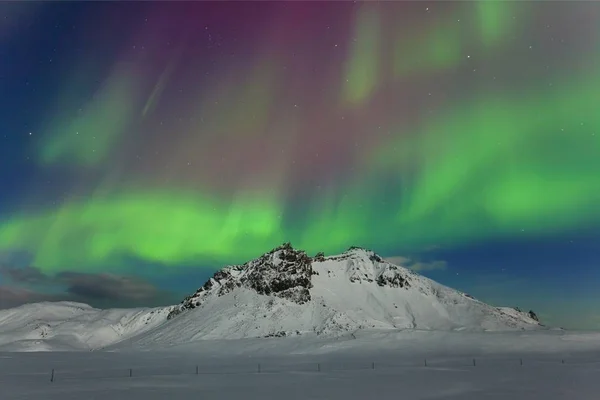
column 282, row 293
column 285, row 292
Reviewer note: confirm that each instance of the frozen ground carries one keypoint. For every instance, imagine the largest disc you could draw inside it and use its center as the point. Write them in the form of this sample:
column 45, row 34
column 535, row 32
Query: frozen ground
column 292, row 368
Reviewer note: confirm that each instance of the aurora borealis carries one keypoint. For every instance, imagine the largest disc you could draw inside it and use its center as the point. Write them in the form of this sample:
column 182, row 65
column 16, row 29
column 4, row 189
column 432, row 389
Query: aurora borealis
column 154, row 139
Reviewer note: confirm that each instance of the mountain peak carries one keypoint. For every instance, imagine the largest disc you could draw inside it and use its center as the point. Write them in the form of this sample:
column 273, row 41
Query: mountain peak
column 361, row 253
column 282, row 272
column 285, row 291
column 287, row 246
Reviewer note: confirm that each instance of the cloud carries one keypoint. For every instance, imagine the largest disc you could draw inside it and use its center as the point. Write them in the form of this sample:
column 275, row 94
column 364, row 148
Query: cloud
column 28, row 275
column 15, row 296
column 107, row 286
column 398, row 260
column 417, row 266
column 439, row 265
column 29, row 284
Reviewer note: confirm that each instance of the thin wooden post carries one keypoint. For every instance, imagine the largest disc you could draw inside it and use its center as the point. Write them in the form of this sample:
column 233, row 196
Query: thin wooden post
column 52, row 376
column 474, row 362
column 372, row 365
column 521, row 361
column 425, row 362
column 319, row 367
column 130, row 372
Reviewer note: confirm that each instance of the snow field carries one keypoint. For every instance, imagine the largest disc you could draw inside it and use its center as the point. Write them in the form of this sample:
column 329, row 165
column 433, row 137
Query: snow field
column 172, row 375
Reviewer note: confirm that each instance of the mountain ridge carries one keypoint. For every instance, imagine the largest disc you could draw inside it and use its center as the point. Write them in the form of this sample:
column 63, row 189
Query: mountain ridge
column 283, row 292
column 290, row 274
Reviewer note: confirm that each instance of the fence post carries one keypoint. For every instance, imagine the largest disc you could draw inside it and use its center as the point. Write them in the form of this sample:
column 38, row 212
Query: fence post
column 521, row 361
column 52, row 376
column 474, row 362
column 319, row 367
column 563, row 361
column 372, row 365
column 130, row 372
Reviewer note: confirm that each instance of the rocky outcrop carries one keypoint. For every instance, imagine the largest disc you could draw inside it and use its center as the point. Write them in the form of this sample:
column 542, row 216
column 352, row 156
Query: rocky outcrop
column 533, row 316
column 283, row 272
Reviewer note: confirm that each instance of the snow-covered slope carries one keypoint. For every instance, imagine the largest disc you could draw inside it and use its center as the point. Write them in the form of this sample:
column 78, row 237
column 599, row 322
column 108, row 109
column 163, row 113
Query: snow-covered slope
column 282, row 293
column 285, row 292
column 72, row 326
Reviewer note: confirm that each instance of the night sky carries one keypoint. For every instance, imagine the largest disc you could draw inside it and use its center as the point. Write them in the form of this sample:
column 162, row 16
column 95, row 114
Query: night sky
column 144, row 145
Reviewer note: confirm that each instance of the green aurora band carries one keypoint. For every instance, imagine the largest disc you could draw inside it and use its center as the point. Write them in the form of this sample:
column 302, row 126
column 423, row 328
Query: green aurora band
column 515, row 163
column 538, row 179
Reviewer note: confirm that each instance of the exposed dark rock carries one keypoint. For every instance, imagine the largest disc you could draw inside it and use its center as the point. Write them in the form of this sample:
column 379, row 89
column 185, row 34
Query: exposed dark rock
column 533, row 316
column 395, row 280
column 282, row 334
column 283, row 272
column 276, row 334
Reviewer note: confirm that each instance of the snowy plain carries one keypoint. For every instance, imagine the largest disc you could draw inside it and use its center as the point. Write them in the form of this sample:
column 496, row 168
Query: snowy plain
column 377, row 364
